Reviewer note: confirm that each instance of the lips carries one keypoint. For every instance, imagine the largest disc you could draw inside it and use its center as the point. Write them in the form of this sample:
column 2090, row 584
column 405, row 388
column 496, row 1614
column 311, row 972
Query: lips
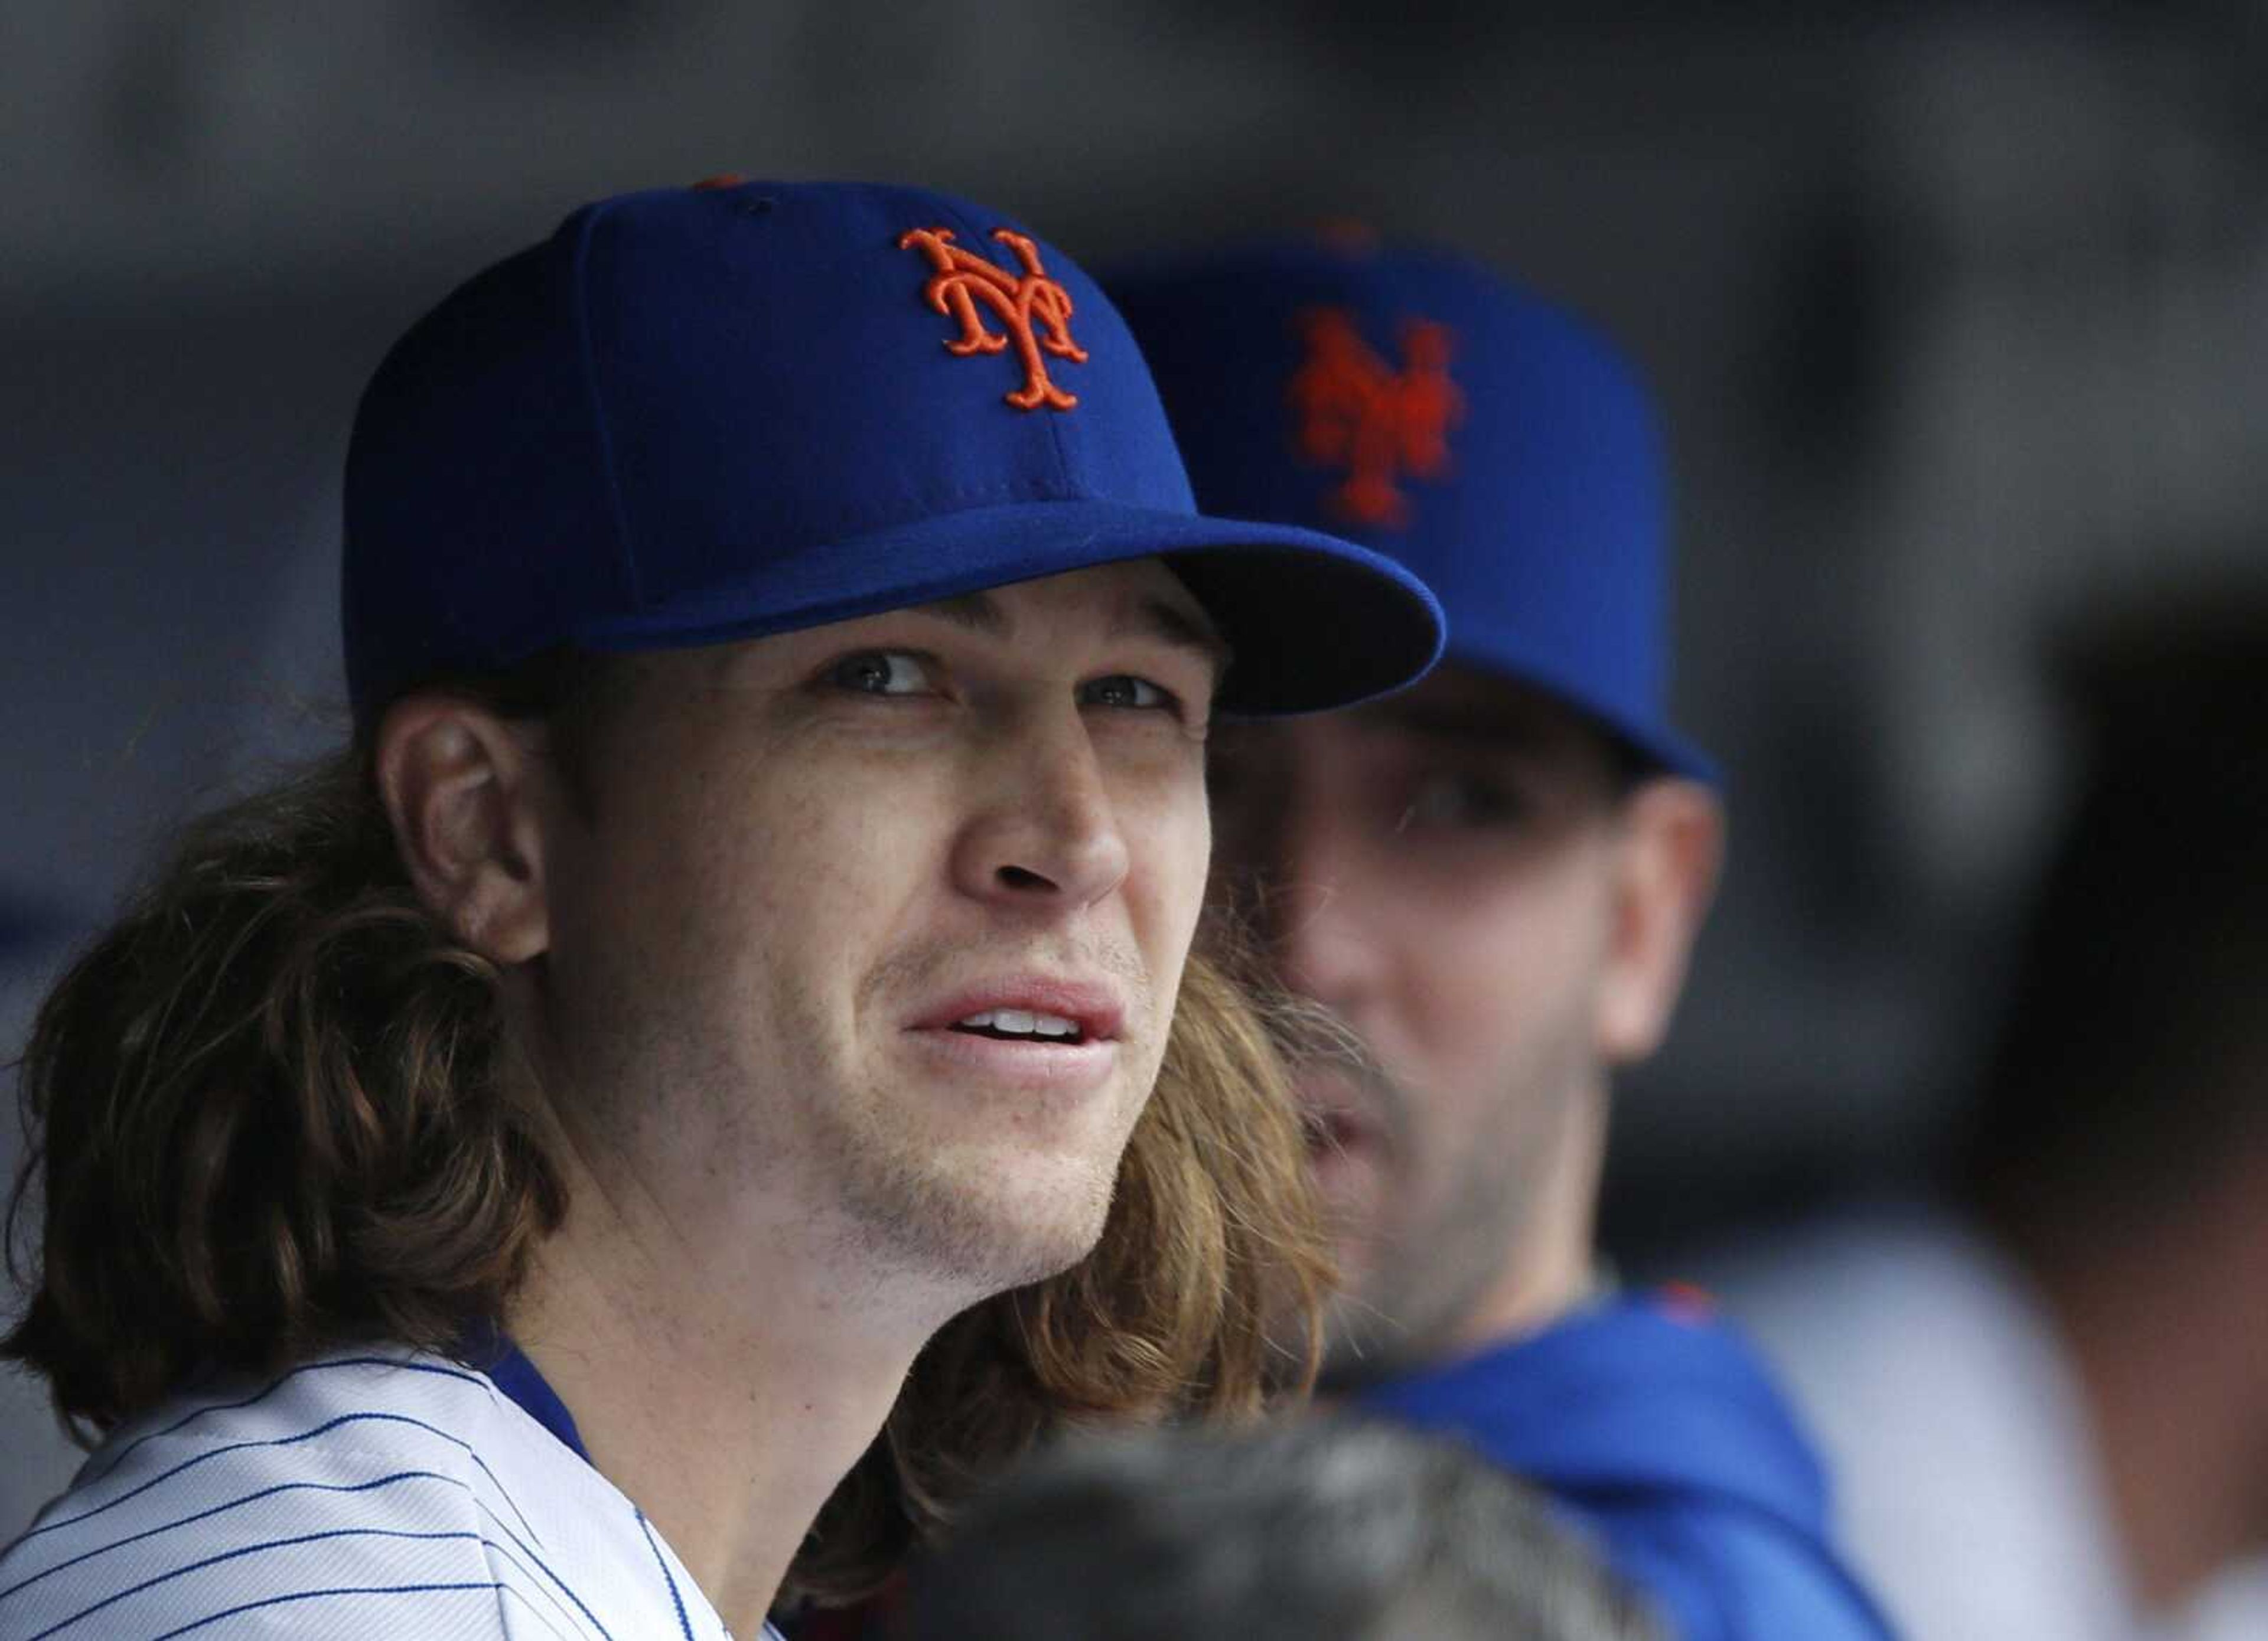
column 1038, row 1010
column 1335, row 1115
column 1031, row 1035
column 1339, row 1133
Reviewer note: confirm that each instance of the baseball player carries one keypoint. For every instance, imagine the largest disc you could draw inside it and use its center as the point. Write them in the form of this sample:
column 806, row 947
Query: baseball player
column 500, row 1183
column 1494, row 881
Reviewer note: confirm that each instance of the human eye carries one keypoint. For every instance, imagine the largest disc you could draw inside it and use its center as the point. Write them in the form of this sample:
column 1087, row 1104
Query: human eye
column 1464, row 799
column 882, row 672
column 1124, row 690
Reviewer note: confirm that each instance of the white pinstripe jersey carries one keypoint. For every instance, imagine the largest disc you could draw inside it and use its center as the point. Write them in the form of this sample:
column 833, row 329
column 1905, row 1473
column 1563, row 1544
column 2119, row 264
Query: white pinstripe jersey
column 372, row 1494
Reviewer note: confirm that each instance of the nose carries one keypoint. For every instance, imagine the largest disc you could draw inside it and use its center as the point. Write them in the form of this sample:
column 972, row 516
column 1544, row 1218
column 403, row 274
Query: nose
column 1291, row 861
column 1312, row 912
column 1047, row 836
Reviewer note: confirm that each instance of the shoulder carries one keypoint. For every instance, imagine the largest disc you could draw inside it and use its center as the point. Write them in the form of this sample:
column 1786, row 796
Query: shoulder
column 1965, row 1473
column 1655, row 1426
column 377, row 1489
column 1623, row 1357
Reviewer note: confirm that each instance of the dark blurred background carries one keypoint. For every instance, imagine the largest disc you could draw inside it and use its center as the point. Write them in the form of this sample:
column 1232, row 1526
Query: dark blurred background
column 1959, row 314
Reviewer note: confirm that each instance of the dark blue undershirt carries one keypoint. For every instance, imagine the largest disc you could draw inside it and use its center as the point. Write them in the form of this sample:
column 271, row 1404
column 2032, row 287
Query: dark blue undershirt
column 492, row 1351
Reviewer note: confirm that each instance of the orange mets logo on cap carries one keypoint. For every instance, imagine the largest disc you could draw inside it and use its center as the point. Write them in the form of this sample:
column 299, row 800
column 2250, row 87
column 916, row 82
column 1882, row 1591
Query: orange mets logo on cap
column 962, row 280
column 1358, row 413
column 1685, row 1302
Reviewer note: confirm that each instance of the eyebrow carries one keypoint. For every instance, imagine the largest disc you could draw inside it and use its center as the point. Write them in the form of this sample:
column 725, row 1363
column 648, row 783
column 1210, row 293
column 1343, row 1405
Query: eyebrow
column 1171, row 623
column 979, row 612
column 1467, row 727
column 1147, row 618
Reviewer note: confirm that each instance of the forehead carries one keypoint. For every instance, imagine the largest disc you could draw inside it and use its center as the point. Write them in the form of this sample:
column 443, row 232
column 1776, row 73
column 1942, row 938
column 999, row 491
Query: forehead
column 1139, row 598
column 1464, row 706
column 1137, row 595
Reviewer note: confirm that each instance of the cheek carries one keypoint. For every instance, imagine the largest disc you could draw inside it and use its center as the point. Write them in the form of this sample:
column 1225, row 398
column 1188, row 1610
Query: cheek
column 759, row 865
column 1489, row 969
column 1169, row 845
column 840, row 871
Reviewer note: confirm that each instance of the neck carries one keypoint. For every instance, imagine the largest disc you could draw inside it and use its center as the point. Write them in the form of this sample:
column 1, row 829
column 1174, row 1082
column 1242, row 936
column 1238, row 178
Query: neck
column 727, row 1432
column 2180, row 1433
column 1551, row 1266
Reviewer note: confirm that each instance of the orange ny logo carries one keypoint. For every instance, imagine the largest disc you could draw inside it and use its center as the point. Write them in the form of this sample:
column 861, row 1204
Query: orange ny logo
column 1020, row 301
column 1358, row 413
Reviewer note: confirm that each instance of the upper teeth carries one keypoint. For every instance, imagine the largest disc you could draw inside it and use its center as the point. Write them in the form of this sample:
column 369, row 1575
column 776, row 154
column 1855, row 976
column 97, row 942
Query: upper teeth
column 1024, row 1023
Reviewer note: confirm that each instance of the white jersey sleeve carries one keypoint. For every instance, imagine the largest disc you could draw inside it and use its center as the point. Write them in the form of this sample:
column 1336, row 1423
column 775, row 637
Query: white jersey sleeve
column 380, row 1495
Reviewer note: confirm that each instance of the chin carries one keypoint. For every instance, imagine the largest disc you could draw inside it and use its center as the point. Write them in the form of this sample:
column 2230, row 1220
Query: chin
column 1360, row 1347
column 1354, row 1258
column 1047, row 1232
column 989, row 1224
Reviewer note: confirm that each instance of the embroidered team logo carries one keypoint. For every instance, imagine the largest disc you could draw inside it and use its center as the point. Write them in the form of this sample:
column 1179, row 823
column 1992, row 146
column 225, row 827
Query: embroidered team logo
column 1033, row 309
column 1358, row 413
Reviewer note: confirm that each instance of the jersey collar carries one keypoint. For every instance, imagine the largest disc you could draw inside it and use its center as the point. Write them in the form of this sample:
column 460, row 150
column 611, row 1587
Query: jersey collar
column 492, row 1351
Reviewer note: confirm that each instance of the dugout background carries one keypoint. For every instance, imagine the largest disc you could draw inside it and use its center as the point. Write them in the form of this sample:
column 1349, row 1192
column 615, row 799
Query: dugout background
column 1959, row 315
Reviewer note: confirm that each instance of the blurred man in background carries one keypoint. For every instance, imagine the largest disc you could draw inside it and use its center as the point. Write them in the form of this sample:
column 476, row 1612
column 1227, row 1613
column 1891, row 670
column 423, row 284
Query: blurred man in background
column 2047, row 1396
column 1493, row 883
column 1353, row 1529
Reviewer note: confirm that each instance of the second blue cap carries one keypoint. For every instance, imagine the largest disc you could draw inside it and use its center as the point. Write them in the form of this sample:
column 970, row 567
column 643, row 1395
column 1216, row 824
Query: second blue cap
column 1484, row 438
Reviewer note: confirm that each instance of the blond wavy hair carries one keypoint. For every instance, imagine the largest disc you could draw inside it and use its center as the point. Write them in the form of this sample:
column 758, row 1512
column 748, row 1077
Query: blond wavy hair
column 268, row 1115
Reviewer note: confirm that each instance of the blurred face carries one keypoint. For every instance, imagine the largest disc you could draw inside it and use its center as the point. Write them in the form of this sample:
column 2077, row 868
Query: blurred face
column 1443, row 871
column 870, row 935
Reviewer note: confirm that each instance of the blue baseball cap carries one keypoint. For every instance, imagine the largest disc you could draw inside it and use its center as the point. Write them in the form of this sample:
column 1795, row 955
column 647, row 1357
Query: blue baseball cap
column 708, row 413
column 1485, row 439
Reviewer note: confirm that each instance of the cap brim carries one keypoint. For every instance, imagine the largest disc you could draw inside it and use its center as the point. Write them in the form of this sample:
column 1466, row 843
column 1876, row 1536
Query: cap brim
column 1670, row 753
column 1659, row 746
column 1312, row 621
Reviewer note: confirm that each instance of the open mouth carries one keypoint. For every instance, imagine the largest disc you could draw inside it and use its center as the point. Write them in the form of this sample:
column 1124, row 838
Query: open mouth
column 1334, row 1131
column 1021, row 1025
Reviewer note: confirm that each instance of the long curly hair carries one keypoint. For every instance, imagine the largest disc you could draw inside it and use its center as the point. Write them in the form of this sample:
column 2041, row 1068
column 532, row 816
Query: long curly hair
column 267, row 1115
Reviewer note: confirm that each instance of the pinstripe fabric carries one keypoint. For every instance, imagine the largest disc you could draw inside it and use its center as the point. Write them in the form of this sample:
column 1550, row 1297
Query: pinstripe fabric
column 370, row 1494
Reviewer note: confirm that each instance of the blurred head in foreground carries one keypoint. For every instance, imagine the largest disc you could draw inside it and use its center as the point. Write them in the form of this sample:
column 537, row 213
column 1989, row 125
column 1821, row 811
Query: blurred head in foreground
column 1350, row 1529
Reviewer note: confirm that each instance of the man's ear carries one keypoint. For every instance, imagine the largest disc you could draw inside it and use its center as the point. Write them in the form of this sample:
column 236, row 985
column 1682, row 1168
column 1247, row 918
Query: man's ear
column 1672, row 846
column 465, row 796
